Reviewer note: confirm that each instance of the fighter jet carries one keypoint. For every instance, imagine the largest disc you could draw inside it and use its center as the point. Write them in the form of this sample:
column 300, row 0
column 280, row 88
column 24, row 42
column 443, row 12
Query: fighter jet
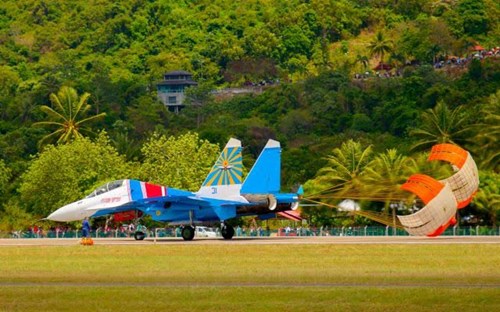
column 222, row 196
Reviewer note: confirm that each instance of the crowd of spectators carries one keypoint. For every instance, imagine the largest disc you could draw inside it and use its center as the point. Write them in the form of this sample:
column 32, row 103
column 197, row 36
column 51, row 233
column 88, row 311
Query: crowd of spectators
column 442, row 62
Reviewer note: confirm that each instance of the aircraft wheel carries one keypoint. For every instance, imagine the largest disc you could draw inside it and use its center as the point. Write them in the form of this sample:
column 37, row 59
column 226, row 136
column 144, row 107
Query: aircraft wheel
column 188, row 233
column 139, row 235
column 227, row 231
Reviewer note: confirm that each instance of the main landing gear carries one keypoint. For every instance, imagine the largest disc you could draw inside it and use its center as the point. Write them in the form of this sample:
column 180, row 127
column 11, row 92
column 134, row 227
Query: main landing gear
column 188, row 232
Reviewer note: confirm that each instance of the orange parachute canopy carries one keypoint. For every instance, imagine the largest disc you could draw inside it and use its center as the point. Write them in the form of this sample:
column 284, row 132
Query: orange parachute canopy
column 441, row 198
column 465, row 182
column 440, row 206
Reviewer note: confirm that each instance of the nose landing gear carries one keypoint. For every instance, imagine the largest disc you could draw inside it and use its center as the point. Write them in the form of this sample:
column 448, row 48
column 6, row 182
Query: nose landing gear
column 139, row 235
column 227, row 231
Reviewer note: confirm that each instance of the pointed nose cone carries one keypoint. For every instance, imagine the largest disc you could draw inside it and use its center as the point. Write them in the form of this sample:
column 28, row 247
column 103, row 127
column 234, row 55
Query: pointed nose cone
column 55, row 216
column 65, row 214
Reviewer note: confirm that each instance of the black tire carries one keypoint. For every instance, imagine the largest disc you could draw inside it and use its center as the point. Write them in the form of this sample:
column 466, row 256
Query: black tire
column 227, row 231
column 187, row 233
column 139, row 235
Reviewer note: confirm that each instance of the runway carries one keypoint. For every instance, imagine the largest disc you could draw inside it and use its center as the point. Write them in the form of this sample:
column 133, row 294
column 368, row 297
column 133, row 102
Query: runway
column 311, row 240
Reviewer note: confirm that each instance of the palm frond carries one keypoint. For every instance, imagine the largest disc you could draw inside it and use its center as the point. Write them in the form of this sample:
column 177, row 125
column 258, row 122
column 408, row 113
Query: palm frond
column 50, row 136
column 82, row 103
column 57, row 103
column 48, row 123
column 101, row 115
column 52, row 113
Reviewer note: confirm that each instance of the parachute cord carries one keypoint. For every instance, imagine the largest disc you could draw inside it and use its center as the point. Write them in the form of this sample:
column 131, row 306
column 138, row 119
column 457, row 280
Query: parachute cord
column 375, row 216
column 336, row 188
column 351, row 196
column 320, row 203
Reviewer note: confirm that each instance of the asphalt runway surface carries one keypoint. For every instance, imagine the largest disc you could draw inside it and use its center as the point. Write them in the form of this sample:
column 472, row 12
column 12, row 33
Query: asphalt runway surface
column 260, row 240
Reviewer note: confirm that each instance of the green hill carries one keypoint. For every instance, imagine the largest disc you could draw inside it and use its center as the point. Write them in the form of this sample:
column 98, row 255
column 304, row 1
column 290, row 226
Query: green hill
column 317, row 60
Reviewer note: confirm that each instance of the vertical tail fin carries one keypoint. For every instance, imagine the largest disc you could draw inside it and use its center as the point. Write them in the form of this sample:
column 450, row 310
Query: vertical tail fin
column 265, row 175
column 224, row 180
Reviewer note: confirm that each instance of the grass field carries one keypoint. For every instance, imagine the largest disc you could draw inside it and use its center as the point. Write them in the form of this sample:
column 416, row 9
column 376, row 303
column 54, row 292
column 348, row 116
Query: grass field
column 251, row 278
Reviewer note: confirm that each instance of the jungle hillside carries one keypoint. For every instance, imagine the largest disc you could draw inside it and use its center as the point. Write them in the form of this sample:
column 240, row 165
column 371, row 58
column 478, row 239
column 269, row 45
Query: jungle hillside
column 356, row 91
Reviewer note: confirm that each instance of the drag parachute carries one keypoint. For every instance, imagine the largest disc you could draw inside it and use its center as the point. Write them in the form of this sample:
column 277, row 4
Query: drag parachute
column 465, row 182
column 441, row 198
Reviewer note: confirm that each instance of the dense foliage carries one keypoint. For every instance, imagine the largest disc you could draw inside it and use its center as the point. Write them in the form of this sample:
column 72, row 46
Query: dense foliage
column 109, row 55
column 66, row 173
column 180, row 162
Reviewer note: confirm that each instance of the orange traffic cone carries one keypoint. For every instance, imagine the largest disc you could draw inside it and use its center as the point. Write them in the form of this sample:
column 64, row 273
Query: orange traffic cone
column 87, row 241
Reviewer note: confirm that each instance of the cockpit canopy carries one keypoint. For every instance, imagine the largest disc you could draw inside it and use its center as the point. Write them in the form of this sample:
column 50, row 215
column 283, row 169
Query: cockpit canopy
column 106, row 188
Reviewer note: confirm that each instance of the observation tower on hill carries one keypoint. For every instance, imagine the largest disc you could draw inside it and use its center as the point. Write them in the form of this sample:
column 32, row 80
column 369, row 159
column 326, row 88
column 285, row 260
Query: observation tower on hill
column 171, row 91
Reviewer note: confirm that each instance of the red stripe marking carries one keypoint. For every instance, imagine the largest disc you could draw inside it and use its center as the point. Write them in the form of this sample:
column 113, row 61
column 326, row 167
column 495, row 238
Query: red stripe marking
column 290, row 215
column 153, row 190
column 126, row 215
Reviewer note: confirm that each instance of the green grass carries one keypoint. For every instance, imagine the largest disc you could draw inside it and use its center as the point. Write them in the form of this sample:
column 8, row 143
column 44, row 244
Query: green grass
column 251, row 278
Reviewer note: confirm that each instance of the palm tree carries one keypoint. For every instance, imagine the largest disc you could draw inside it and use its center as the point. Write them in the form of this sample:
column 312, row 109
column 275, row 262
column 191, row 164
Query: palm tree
column 67, row 115
column 344, row 168
column 380, row 46
column 487, row 199
column 488, row 203
column 441, row 125
column 385, row 174
column 363, row 60
column 384, row 177
column 339, row 179
column 436, row 169
column 488, row 138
